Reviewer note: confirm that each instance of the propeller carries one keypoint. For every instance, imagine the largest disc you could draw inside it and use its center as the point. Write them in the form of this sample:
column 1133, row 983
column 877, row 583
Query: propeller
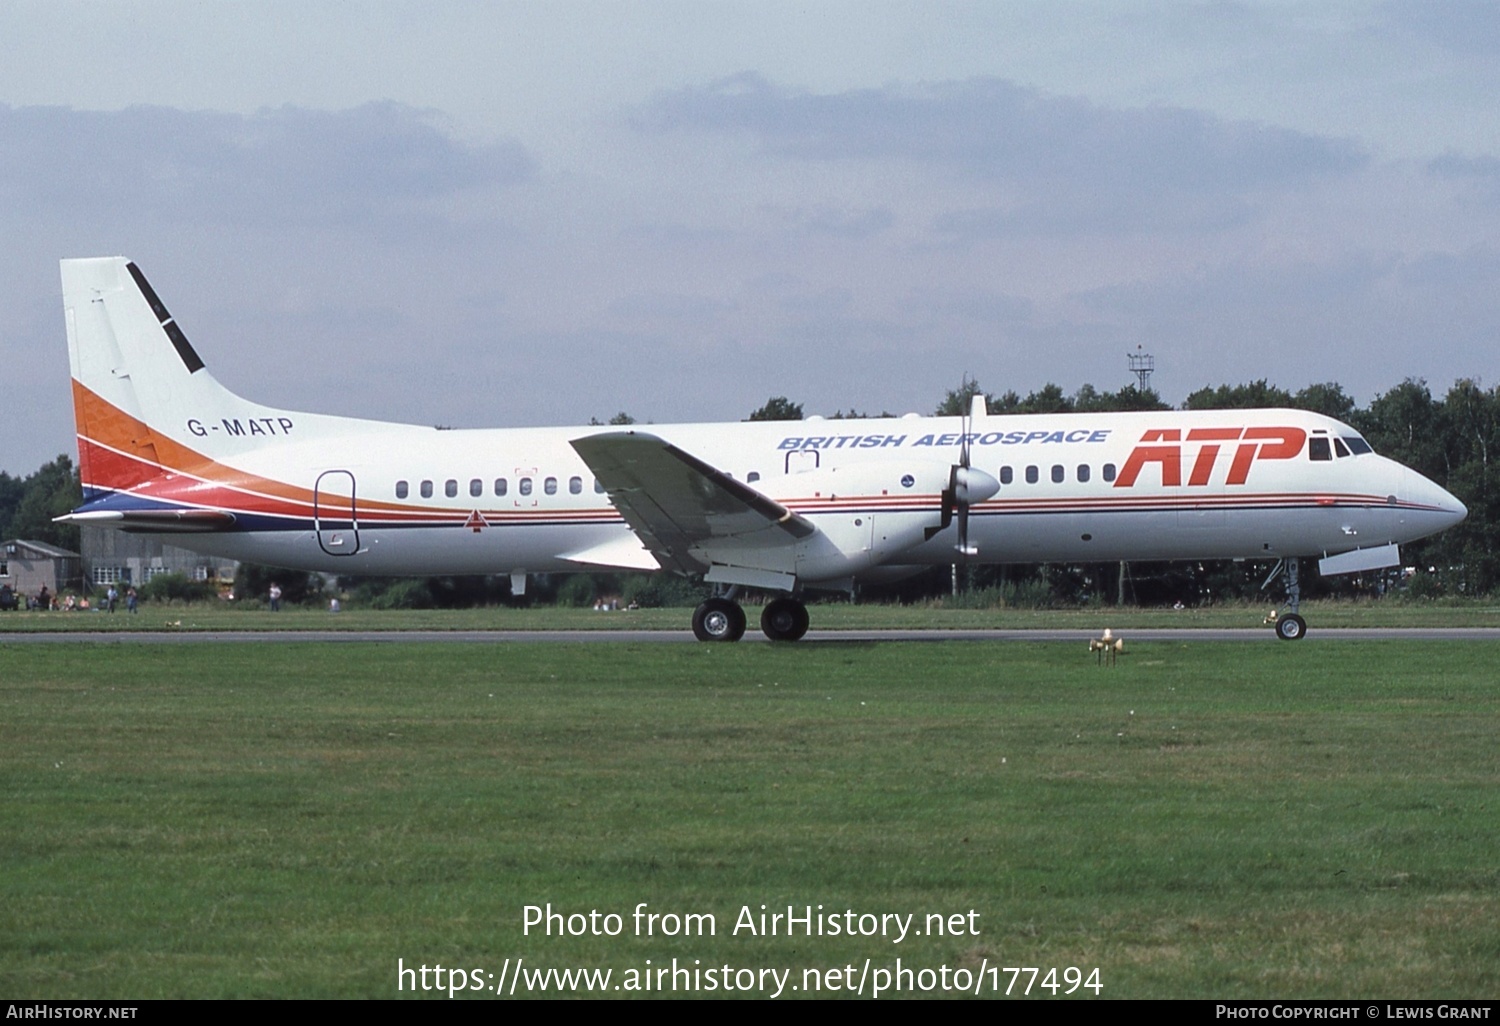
column 966, row 485
column 958, row 484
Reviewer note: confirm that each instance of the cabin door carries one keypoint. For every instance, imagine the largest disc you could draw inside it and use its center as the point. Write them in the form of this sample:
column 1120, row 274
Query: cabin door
column 335, row 516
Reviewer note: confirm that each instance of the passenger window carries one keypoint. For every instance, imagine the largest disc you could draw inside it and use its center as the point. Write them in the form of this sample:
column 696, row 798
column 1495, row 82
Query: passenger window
column 476, row 487
column 400, row 489
column 1007, row 475
column 1058, row 473
column 501, row 486
column 575, row 486
column 1109, row 472
column 1032, row 475
column 525, row 486
column 753, row 476
column 550, row 486
column 1317, row 449
column 450, row 488
column 1083, row 473
column 426, row 489
column 598, row 488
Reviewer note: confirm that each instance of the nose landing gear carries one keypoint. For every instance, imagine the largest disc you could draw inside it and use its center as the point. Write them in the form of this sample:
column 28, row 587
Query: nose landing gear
column 1288, row 624
column 1290, row 627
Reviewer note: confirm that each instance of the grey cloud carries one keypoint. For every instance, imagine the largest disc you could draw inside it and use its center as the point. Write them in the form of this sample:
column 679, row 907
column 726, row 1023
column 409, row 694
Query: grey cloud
column 1480, row 176
column 289, row 162
column 996, row 130
column 1467, row 27
column 1473, row 273
column 1453, row 165
column 676, row 234
column 1482, row 170
column 994, row 310
column 669, row 306
column 1072, row 213
column 849, row 224
column 830, row 302
column 1301, row 287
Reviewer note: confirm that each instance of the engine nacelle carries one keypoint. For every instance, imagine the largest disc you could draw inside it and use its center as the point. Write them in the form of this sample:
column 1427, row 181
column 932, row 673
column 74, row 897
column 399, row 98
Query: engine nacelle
column 866, row 513
column 871, row 512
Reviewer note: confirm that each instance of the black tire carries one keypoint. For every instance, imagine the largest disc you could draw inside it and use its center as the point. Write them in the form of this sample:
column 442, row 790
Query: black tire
column 784, row 619
column 1291, row 627
column 719, row 620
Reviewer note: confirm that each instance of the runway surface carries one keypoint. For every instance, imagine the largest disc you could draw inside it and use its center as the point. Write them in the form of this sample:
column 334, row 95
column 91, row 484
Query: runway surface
column 681, row 637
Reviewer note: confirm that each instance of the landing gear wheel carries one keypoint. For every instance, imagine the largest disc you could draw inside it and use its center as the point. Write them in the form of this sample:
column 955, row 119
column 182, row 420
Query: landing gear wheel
column 719, row 619
column 1291, row 627
column 784, row 619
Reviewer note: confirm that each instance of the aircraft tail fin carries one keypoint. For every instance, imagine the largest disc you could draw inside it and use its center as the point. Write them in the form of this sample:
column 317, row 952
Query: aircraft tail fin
column 143, row 402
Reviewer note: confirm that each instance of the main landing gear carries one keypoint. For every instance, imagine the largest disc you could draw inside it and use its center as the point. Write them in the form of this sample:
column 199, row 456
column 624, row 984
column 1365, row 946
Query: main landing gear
column 722, row 619
column 1288, row 624
column 784, row 619
column 719, row 619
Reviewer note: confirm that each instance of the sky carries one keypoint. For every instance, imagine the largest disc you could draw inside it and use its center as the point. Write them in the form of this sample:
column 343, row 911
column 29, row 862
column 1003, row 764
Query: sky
column 499, row 214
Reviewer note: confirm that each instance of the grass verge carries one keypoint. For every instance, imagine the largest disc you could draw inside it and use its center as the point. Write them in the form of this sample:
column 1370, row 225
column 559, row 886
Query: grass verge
column 1204, row 820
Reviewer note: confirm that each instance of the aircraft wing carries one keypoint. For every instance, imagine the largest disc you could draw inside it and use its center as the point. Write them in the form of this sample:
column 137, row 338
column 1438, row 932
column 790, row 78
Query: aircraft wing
column 675, row 501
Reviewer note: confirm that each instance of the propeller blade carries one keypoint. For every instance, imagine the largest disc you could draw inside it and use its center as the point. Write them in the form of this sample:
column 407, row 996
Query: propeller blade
column 963, row 546
column 967, row 485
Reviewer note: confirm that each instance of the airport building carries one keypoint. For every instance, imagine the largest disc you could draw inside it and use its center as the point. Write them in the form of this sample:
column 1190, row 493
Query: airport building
column 25, row 566
column 119, row 557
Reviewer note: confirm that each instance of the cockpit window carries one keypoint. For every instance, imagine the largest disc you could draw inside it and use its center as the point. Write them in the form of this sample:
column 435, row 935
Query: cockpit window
column 1318, row 449
column 1357, row 445
column 1339, row 448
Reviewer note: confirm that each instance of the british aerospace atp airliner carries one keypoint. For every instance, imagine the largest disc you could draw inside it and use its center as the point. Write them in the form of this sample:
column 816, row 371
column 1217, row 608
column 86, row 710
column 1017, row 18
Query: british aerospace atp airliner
column 780, row 507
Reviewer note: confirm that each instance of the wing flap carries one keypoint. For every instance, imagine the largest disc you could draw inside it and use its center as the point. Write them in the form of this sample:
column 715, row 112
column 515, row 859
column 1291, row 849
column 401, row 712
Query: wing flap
column 623, row 553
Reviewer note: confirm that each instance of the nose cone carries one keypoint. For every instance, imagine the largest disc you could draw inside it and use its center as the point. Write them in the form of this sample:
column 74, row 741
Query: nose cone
column 1457, row 511
column 1439, row 508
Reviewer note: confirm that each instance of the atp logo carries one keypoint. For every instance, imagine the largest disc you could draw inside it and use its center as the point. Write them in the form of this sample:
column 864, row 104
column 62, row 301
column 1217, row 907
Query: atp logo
column 1163, row 446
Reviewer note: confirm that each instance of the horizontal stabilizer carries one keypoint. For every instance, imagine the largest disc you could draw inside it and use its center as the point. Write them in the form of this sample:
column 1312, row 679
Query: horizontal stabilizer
column 154, row 521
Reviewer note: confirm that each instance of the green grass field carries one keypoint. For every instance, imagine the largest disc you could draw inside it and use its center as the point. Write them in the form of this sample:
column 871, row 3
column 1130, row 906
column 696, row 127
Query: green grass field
column 1203, row 820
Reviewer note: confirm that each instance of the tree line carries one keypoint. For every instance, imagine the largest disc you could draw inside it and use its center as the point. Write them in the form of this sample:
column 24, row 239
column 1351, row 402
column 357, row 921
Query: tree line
column 28, row 504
